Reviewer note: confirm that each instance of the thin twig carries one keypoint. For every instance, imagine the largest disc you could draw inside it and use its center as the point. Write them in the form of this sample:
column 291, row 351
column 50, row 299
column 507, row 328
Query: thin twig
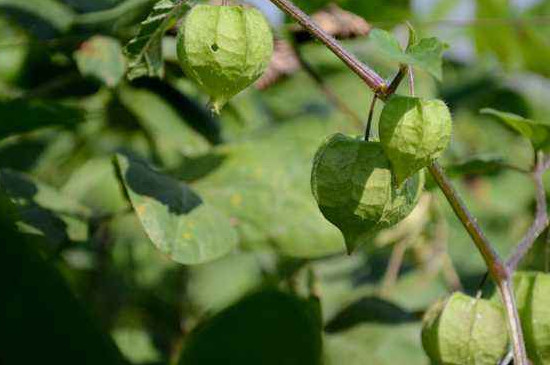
column 332, row 97
column 507, row 359
column 369, row 119
column 369, row 76
column 394, row 84
column 394, row 265
column 498, row 270
column 410, row 73
column 541, row 216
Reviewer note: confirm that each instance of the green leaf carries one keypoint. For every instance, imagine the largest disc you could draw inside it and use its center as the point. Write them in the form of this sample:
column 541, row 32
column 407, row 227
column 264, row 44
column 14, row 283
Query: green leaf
column 487, row 165
column 116, row 18
column 379, row 344
column 20, row 116
column 173, row 139
column 538, row 133
column 263, row 184
column 137, row 345
column 59, row 328
column 216, row 285
column 425, row 54
column 352, row 184
column 95, row 185
column 145, row 50
column 101, row 58
column 54, row 13
column 414, row 132
column 269, row 328
column 44, row 210
column 464, row 330
column 388, row 45
column 176, row 219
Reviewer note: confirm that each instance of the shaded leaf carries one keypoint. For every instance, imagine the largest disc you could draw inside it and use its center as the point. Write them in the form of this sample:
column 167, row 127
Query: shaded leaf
column 145, row 50
column 172, row 138
column 379, row 344
column 480, row 165
column 216, row 285
column 101, row 58
column 176, row 219
column 370, row 309
column 20, row 116
column 59, row 328
column 114, row 19
column 45, row 210
column 538, row 133
column 268, row 327
column 53, row 13
column 95, row 185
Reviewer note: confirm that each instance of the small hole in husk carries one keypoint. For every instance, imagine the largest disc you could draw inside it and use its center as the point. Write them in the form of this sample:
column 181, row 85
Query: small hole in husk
column 215, row 47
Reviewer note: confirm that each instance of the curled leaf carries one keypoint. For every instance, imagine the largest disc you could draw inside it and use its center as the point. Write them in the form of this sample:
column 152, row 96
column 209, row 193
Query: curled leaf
column 536, row 132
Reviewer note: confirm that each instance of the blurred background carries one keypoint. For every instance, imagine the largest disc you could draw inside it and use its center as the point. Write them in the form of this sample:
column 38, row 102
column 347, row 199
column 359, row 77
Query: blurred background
column 96, row 289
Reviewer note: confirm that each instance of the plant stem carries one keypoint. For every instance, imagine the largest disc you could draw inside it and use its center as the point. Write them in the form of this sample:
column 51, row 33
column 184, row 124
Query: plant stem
column 497, row 269
column 369, row 76
column 541, row 216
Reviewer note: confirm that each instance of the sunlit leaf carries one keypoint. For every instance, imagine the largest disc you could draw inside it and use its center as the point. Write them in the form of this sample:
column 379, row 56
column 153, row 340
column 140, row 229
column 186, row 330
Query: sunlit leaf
column 425, row 54
column 145, row 50
column 374, row 343
column 538, row 133
column 176, row 219
column 101, row 58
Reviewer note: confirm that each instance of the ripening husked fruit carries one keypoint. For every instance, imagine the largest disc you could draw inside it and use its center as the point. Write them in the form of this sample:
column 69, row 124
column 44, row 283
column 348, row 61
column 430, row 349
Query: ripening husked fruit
column 532, row 291
column 414, row 133
column 462, row 330
column 352, row 183
column 224, row 49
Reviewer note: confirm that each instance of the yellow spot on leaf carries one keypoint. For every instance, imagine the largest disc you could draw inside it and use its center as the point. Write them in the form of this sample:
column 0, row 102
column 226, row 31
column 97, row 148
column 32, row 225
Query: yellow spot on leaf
column 140, row 209
column 236, row 200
